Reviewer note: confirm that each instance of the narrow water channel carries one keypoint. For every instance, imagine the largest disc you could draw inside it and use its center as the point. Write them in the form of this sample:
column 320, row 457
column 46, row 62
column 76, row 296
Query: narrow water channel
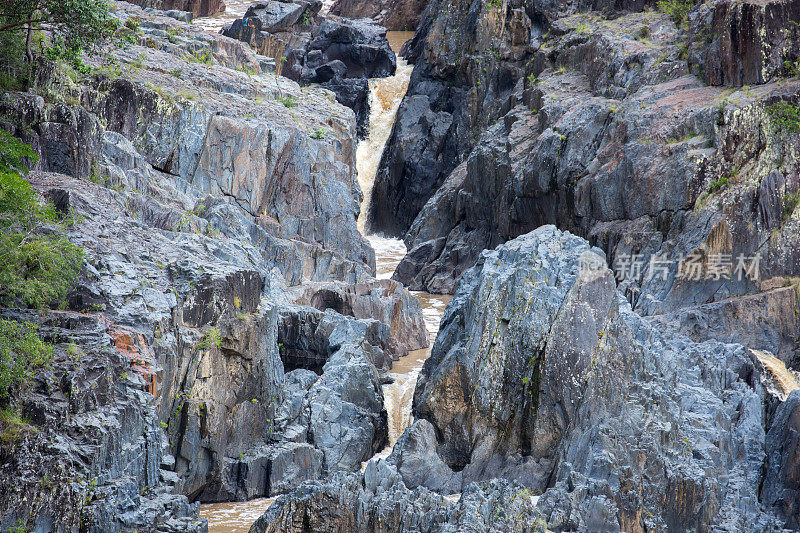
column 385, row 97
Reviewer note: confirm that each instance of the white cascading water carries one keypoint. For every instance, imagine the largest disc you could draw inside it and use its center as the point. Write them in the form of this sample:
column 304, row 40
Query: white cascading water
column 398, row 395
column 385, row 97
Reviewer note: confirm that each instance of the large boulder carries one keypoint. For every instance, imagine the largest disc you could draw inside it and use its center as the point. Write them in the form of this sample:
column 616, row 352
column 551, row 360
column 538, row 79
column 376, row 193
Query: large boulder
column 341, row 55
column 542, row 374
column 467, row 58
column 382, row 300
column 337, row 53
column 273, row 27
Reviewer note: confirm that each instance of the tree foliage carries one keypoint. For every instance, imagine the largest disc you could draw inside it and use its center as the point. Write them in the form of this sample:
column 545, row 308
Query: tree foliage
column 68, row 27
column 677, row 10
column 38, row 265
column 21, row 353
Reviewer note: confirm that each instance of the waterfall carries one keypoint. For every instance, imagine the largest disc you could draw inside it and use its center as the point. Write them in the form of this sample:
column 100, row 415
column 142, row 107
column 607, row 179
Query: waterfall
column 385, row 95
column 384, row 100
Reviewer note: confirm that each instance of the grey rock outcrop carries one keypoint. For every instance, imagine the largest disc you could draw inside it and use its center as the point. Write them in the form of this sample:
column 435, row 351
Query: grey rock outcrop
column 206, row 208
column 273, row 27
column 782, row 483
column 93, row 455
column 198, row 8
column 542, row 374
column 336, row 53
column 605, row 132
column 341, row 55
column 383, row 300
column 377, row 500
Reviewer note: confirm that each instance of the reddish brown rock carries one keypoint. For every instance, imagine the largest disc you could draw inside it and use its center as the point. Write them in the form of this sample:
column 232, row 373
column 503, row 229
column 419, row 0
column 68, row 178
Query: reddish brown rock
column 402, row 15
column 198, row 8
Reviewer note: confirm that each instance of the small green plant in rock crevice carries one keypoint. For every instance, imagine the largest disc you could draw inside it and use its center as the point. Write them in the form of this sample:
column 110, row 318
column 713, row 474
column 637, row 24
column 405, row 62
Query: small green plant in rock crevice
column 785, row 116
column 211, row 338
column 790, row 202
column 676, row 9
column 288, row 101
column 718, row 184
column 204, row 57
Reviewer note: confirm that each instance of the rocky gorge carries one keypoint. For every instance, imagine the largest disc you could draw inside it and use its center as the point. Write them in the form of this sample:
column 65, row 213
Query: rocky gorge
column 233, row 334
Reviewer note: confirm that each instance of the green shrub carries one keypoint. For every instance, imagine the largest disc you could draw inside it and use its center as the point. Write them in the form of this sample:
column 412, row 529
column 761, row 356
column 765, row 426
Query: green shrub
column 69, row 27
column 211, row 338
column 676, row 9
column 790, row 202
column 288, row 101
column 204, row 57
column 785, row 116
column 21, row 353
column 792, row 69
column 718, row 184
column 38, row 265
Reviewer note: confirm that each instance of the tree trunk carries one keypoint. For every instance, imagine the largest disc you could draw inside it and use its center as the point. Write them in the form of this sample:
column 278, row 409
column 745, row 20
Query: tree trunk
column 28, row 51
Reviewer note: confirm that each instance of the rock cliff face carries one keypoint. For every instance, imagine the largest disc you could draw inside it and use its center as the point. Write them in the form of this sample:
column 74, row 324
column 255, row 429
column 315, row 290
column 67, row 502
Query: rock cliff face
column 338, row 54
column 97, row 459
column 619, row 126
column 398, row 15
column 217, row 207
column 198, row 8
column 542, row 375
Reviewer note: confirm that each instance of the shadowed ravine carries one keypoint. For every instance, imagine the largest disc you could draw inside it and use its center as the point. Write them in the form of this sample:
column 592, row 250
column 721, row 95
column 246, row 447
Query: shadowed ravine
column 385, row 97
